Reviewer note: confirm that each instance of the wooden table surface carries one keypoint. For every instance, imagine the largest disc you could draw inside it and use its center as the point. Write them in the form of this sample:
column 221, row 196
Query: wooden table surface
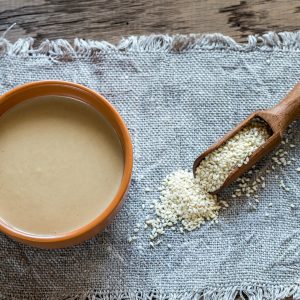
column 111, row 19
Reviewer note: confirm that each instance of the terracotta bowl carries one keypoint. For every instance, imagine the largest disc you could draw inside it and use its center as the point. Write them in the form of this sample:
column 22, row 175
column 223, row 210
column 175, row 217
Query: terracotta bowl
column 79, row 92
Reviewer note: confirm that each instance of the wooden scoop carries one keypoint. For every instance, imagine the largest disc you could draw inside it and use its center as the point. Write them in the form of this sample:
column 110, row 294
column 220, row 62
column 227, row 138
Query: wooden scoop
column 278, row 118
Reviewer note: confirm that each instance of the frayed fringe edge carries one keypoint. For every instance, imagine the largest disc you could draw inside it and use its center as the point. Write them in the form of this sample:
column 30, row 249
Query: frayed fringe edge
column 262, row 292
column 153, row 43
column 245, row 293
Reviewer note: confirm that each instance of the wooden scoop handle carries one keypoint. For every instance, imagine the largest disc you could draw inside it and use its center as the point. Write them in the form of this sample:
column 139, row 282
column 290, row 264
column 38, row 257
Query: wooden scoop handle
column 285, row 112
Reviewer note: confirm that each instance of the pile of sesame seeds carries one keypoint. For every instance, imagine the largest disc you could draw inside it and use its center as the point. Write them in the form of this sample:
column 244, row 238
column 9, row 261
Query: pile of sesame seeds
column 183, row 200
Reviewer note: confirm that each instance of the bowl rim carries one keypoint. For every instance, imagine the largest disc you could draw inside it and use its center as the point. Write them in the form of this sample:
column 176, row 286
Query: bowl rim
column 102, row 218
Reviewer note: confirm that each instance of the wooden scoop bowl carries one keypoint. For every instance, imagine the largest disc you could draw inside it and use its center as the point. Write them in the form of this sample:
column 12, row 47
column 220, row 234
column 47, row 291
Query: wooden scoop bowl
column 278, row 118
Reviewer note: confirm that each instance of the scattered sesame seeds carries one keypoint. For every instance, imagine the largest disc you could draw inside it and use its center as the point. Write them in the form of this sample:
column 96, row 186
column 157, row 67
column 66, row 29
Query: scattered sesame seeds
column 185, row 202
column 132, row 239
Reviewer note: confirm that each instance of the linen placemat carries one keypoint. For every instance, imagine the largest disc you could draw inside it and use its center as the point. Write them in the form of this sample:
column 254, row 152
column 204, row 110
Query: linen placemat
column 177, row 94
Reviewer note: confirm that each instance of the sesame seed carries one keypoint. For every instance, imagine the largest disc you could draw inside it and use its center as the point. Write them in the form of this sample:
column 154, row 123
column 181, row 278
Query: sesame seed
column 186, row 200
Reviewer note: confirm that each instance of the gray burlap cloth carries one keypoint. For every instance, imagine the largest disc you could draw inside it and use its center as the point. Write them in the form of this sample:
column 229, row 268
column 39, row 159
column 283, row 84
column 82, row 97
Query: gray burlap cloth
column 177, row 96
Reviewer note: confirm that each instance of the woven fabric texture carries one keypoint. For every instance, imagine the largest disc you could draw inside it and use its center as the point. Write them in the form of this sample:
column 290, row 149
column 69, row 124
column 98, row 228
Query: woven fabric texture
column 175, row 105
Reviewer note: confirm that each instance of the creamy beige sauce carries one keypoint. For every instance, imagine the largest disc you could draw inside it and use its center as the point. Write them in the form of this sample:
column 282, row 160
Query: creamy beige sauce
column 61, row 164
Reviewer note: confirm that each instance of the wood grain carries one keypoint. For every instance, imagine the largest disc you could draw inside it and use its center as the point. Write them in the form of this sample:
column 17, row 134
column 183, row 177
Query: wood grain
column 111, row 19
